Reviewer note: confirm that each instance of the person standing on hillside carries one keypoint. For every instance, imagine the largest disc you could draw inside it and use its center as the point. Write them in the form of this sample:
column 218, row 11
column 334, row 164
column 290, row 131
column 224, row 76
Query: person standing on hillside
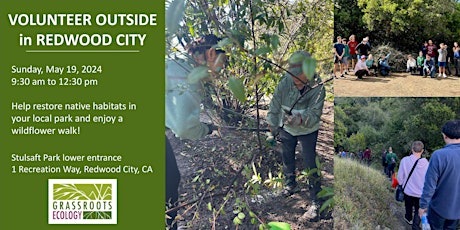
column 413, row 185
column 384, row 161
column 441, row 191
column 294, row 114
column 182, row 105
column 392, row 158
column 368, row 156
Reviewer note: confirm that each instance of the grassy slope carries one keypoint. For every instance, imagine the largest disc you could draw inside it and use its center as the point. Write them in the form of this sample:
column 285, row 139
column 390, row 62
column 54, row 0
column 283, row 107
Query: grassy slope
column 363, row 197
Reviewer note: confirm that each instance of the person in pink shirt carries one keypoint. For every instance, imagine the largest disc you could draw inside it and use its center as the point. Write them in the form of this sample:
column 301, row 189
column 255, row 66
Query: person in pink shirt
column 414, row 187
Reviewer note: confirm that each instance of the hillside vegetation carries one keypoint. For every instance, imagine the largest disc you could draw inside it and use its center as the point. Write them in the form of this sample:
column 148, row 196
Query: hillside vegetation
column 364, row 198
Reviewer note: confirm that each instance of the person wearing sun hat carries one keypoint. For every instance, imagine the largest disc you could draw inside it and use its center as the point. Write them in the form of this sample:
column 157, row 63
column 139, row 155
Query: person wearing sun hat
column 361, row 68
column 294, row 114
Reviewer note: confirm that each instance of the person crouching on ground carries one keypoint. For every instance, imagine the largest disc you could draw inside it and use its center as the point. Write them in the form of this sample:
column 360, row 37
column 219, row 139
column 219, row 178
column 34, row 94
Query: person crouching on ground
column 371, row 64
column 297, row 120
column 411, row 64
column 384, row 66
column 361, row 68
column 420, row 61
column 428, row 67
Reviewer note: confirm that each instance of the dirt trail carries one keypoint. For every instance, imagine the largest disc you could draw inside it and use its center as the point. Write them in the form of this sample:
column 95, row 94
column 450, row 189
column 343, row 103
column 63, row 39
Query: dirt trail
column 397, row 85
column 209, row 165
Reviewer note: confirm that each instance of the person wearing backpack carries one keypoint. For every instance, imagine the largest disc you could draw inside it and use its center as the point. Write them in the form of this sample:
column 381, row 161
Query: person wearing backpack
column 411, row 175
column 392, row 158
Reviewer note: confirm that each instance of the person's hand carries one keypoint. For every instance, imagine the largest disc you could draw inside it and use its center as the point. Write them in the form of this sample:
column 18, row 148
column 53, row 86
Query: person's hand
column 294, row 119
column 421, row 211
column 274, row 131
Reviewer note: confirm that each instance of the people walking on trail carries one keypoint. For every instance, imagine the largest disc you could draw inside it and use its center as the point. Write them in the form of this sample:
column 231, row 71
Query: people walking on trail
column 411, row 176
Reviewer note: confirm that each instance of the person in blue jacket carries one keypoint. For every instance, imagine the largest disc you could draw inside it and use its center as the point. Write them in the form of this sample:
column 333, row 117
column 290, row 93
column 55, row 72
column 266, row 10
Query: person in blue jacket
column 441, row 190
column 384, row 66
column 183, row 98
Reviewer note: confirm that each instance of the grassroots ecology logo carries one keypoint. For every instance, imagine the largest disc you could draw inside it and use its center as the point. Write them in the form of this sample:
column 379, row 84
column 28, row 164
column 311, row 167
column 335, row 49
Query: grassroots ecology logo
column 82, row 201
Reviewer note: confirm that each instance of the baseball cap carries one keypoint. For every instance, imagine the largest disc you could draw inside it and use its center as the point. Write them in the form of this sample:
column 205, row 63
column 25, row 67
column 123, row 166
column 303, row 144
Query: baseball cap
column 363, row 56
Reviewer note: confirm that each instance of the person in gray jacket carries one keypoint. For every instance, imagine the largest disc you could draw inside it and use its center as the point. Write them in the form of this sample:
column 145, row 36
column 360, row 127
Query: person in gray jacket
column 294, row 113
column 182, row 103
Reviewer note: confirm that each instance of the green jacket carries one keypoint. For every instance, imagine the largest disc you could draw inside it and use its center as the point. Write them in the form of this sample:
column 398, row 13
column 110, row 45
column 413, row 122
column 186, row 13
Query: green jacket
column 369, row 63
column 392, row 157
column 347, row 51
column 182, row 107
column 310, row 106
column 420, row 61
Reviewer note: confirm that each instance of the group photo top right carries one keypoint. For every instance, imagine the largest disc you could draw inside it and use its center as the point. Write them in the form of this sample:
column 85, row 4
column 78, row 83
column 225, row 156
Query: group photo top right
column 396, row 48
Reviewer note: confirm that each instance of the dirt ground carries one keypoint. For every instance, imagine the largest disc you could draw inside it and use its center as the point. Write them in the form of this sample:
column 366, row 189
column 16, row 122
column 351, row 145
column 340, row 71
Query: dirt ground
column 397, row 85
column 210, row 165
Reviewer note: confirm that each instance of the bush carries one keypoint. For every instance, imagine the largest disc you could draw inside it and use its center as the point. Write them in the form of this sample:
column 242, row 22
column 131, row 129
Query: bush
column 397, row 60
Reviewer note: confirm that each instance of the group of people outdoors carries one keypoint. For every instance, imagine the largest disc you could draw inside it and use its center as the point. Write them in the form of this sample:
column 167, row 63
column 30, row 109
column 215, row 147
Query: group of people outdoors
column 433, row 187
column 431, row 59
column 426, row 62
column 362, row 61
column 364, row 157
column 293, row 116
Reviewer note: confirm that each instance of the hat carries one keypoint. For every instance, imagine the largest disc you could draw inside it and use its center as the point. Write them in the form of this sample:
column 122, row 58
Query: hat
column 363, row 56
column 295, row 62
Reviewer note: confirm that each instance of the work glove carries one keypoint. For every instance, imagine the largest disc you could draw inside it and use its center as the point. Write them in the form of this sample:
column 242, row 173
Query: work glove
column 271, row 135
column 271, row 141
column 294, row 119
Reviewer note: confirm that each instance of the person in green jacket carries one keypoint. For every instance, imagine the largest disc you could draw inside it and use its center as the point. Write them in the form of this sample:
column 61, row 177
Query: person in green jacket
column 420, row 61
column 182, row 104
column 297, row 122
column 346, row 56
column 392, row 158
